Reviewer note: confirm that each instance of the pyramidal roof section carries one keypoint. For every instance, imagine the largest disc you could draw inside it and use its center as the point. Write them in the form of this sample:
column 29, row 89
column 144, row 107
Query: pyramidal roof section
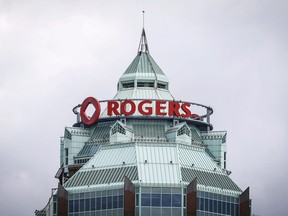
column 143, row 45
column 143, row 72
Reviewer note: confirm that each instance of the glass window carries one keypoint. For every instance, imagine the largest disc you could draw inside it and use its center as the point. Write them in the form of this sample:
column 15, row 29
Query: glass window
column 166, row 200
column 93, row 194
column 146, row 190
column 70, row 206
column 81, row 205
column 198, row 203
column 104, row 203
column 201, row 203
column 156, row 211
column 76, row 205
column 145, row 201
column 93, row 204
column 136, row 189
column 176, row 211
column 206, row 207
column 137, row 199
column 120, row 204
column 215, row 207
column 98, row 203
column 219, row 207
column 120, row 191
column 115, row 201
column 211, row 205
column 176, row 190
column 166, row 211
column 87, row 204
column 184, row 200
column 228, row 208
column 128, row 85
column 232, row 209
column 156, row 190
column 176, row 200
column 104, row 193
column 224, row 207
column 237, row 209
column 155, row 199
column 145, row 211
column 110, row 202
column 166, row 190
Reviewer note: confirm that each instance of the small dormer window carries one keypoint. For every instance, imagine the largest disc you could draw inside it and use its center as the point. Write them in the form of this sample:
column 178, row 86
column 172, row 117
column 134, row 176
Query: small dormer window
column 184, row 130
column 145, row 84
column 117, row 128
column 161, row 85
column 128, row 85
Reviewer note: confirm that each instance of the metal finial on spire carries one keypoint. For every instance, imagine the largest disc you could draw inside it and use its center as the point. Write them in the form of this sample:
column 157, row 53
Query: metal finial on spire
column 143, row 18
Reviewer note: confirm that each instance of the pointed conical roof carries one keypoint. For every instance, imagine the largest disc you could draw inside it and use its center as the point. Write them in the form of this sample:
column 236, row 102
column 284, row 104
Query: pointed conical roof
column 143, row 78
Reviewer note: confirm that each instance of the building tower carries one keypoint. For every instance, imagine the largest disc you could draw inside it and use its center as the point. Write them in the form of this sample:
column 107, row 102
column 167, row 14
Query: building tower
column 145, row 154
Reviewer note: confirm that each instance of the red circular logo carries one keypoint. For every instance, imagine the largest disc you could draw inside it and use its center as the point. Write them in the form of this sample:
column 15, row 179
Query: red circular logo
column 94, row 118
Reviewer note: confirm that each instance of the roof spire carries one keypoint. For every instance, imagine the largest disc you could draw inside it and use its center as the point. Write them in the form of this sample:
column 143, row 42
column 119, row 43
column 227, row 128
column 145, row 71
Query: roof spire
column 143, row 18
column 143, row 45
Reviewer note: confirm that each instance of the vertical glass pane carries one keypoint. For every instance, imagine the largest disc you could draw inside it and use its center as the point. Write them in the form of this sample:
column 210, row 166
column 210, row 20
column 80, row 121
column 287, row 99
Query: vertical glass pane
column 176, row 211
column 145, row 200
column 155, row 199
column 206, row 207
column 146, row 189
column 166, row 190
column 76, row 205
column 115, row 201
column 201, row 204
column 176, row 200
column 176, row 190
column 93, row 204
column 156, row 190
column 104, row 203
column 224, row 207
column 81, row 205
column 121, row 201
column 98, row 203
column 228, row 208
column 137, row 199
column 145, row 211
column 156, row 211
column 232, row 209
column 219, row 207
column 87, row 204
column 166, row 211
column 237, row 209
column 184, row 200
column 70, row 206
column 110, row 202
column 211, row 205
column 166, row 200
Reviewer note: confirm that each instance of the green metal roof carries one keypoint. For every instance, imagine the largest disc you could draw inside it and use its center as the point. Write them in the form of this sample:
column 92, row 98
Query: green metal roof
column 103, row 176
column 209, row 179
column 152, row 163
column 143, row 67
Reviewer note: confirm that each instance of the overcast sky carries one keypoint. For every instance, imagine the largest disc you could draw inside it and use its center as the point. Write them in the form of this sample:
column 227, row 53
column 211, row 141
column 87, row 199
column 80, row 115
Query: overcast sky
column 231, row 55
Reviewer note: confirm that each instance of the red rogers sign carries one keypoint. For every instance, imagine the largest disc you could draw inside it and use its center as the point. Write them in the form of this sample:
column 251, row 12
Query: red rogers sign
column 137, row 107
